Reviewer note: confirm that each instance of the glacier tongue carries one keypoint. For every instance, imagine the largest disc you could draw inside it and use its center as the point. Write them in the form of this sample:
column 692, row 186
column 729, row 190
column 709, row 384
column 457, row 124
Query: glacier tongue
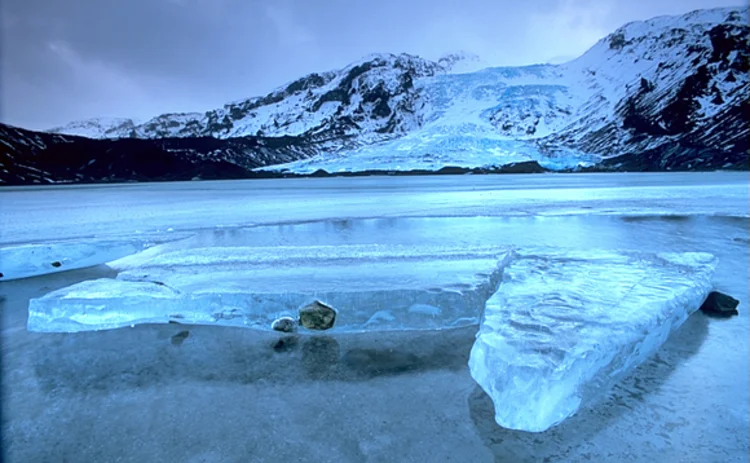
column 372, row 287
column 563, row 327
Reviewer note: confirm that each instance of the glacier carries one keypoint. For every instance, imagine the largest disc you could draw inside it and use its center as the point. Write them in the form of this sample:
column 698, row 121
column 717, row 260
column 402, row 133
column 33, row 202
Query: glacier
column 461, row 125
column 563, row 116
column 373, row 287
column 564, row 326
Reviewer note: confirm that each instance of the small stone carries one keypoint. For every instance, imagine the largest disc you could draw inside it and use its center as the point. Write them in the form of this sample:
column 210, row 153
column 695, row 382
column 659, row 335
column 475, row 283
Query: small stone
column 720, row 305
column 56, row 264
column 284, row 324
column 317, row 316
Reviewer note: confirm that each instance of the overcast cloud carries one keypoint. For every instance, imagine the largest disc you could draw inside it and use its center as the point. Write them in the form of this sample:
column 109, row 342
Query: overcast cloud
column 63, row 60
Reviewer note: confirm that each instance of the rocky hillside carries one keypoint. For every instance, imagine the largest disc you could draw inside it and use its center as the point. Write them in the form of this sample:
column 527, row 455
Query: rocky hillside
column 374, row 96
column 28, row 157
column 676, row 85
column 669, row 93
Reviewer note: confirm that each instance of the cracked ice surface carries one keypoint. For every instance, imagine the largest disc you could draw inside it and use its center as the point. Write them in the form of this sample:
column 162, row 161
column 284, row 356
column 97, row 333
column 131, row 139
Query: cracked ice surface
column 374, row 287
column 563, row 327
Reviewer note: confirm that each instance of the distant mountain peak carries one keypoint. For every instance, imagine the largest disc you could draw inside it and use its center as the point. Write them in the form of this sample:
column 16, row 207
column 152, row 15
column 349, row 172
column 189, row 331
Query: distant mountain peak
column 98, row 127
column 669, row 91
column 460, row 62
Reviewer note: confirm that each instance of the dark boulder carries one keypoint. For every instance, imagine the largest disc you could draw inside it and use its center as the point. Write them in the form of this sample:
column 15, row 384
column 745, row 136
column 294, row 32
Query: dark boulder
column 320, row 173
column 720, row 305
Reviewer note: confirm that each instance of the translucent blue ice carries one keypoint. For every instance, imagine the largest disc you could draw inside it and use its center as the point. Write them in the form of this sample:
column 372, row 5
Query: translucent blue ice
column 565, row 326
column 373, row 288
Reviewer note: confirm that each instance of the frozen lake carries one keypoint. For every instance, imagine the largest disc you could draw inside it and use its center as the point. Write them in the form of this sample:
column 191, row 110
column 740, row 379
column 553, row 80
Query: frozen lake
column 223, row 394
column 53, row 213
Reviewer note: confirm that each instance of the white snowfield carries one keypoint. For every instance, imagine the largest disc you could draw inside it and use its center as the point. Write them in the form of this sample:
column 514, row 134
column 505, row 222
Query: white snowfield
column 99, row 127
column 566, row 326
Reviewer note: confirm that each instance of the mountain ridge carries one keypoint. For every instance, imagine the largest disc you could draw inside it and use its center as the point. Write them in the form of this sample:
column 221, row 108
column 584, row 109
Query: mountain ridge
column 665, row 93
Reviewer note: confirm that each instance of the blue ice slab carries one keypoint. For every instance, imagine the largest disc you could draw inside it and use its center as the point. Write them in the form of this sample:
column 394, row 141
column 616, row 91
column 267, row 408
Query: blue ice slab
column 564, row 326
column 373, row 288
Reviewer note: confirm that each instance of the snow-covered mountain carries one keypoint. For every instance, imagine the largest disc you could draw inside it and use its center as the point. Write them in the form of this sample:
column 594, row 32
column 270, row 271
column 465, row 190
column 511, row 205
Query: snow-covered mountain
column 100, row 127
column 669, row 80
column 667, row 93
column 373, row 96
column 670, row 92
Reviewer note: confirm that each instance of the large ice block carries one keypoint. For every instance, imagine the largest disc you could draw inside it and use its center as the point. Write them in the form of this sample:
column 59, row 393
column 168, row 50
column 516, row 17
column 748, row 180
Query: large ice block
column 372, row 287
column 563, row 327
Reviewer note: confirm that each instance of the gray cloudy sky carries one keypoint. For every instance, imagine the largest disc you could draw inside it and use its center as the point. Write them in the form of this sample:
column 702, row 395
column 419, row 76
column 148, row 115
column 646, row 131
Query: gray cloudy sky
column 63, row 60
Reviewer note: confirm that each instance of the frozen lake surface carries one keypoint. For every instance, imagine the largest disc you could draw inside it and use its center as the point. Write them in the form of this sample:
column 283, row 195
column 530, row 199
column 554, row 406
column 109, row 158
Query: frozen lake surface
column 176, row 393
column 54, row 213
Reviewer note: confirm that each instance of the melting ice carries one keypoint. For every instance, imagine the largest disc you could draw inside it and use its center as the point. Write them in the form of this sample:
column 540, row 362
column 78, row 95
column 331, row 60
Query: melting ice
column 556, row 327
column 565, row 326
column 373, row 287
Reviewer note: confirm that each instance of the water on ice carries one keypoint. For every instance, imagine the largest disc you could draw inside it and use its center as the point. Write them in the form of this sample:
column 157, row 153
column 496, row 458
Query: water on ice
column 373, row 287
column 564, row 326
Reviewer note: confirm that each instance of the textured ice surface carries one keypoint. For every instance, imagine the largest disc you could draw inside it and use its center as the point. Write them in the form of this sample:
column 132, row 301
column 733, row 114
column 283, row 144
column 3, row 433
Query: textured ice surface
column 565, row 326
column 34, row 214
column 373, row 288
column 27, row 260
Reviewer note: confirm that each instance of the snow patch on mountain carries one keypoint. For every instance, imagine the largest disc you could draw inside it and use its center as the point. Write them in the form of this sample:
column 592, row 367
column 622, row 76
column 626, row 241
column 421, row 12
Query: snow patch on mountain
column 374, row 95
column 462, row 62
column 165, row 126
column 100, row 127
